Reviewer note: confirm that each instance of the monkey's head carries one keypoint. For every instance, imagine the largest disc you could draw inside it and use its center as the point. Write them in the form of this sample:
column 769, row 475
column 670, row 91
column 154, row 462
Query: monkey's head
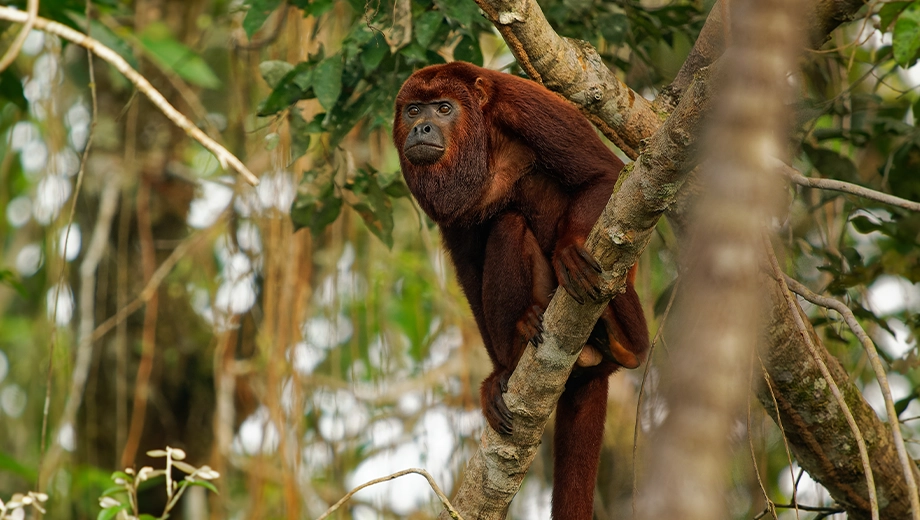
column 441, row 134
column 431, row 125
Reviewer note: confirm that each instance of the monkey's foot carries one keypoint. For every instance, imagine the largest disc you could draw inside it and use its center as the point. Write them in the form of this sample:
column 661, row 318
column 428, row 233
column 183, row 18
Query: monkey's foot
column 530, row 326
column 578, row 272
column 493, row 402
column 589, row 357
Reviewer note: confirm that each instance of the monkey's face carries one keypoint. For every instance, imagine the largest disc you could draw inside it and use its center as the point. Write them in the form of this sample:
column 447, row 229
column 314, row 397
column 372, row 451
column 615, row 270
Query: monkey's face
column 430, row 126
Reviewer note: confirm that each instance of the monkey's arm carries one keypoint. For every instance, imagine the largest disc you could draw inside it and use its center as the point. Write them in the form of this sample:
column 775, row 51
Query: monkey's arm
column 568, row 148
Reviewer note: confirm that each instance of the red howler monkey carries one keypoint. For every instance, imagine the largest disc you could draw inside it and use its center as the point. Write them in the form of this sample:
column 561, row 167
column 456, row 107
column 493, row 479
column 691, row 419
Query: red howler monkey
column 515, row 178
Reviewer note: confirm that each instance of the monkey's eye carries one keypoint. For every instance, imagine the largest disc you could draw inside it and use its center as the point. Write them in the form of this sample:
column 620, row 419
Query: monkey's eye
column 444, row 109
column 413, row 111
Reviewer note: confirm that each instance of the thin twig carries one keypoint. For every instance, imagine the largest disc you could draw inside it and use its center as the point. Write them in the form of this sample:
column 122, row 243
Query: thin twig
column 812, row 509
column 121, row 293
column 874, row 360
column 148, row 334
column 57, row 290
column 831, row 383
column 16, row 46
column 94, row 252
column 140, row 82
column 651, row 350
column 437, row 491
column 849, row 188
column 763, row 489
column 782, row 431
column 150, row 289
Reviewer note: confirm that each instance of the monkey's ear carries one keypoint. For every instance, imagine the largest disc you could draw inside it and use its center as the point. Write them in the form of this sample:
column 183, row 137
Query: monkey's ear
column 483, row 88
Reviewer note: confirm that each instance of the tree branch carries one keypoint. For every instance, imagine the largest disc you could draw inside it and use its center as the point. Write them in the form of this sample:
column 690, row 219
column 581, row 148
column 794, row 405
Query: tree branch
column 574, row 69
column 16, row 46
column 434, row 486
column 140, row 82
column 846, row 187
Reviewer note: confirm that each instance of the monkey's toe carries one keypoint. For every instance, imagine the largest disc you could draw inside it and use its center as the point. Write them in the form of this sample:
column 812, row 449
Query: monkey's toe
column 530, row 326
column 578, row 273
column 493, row 403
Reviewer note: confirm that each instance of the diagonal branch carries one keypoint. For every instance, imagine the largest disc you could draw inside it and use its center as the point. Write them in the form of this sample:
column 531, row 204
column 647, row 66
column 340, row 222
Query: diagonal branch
column 140, row 82
column 574, row 69
column 13, row 50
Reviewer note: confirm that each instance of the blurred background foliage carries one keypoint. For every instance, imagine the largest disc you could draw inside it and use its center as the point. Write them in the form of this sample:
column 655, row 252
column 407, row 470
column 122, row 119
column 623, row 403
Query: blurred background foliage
column 301, row 363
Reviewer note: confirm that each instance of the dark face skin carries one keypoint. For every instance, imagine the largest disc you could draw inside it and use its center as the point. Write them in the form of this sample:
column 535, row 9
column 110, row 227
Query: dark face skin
column 430, row 126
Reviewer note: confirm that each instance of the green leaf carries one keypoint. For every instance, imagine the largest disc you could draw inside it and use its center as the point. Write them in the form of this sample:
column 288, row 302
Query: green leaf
column 343, row 120
column 10, row 279
column 259, row 11
column 374, row 52
column 864, row 224
column 831, row 164
column 11, row 89
column 313, row 7
column 273, row 71
column 316, row 204
column 465, row 12
column 300, row 134
column 415, row 53
column 397, row 189
column 172, row 55
column 114, row 490
column 289, row 90
column 111, row 512
column 303, row 75
column 373, row 206
column 902, row 404
column 205, row 484
column 426, row 26
column 467, row 49
column 889, row 12
column 9, row 464
column 661, row 303
column 906, row 36
column 614, row 28
column 149, row 517
column 327, row 81
column 123, row 476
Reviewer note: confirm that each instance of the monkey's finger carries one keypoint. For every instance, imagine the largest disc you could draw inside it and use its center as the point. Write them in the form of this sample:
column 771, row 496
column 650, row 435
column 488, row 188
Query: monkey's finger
column 565, row 280
column 582, row 252
column 502, row 415
column 583, row 284
column 569, row 289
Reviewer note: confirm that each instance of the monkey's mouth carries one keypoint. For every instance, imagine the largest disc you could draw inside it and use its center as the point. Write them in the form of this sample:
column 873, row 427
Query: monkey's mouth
column 425, row 145
column 424, row 153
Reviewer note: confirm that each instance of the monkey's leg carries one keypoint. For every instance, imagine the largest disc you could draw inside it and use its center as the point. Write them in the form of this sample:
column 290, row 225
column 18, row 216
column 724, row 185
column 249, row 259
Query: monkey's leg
column 517, row 281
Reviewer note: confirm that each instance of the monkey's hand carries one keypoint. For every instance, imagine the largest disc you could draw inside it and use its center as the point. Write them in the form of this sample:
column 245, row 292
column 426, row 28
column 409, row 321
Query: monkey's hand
column 578, row 272
column 530, row 326
column 493, row 403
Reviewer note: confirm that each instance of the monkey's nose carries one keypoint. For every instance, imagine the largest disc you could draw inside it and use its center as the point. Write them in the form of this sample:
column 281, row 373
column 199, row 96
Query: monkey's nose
column 422, row 129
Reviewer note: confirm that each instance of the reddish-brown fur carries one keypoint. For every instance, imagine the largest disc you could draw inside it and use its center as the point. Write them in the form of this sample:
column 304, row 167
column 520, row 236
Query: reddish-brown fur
column 522, row 179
